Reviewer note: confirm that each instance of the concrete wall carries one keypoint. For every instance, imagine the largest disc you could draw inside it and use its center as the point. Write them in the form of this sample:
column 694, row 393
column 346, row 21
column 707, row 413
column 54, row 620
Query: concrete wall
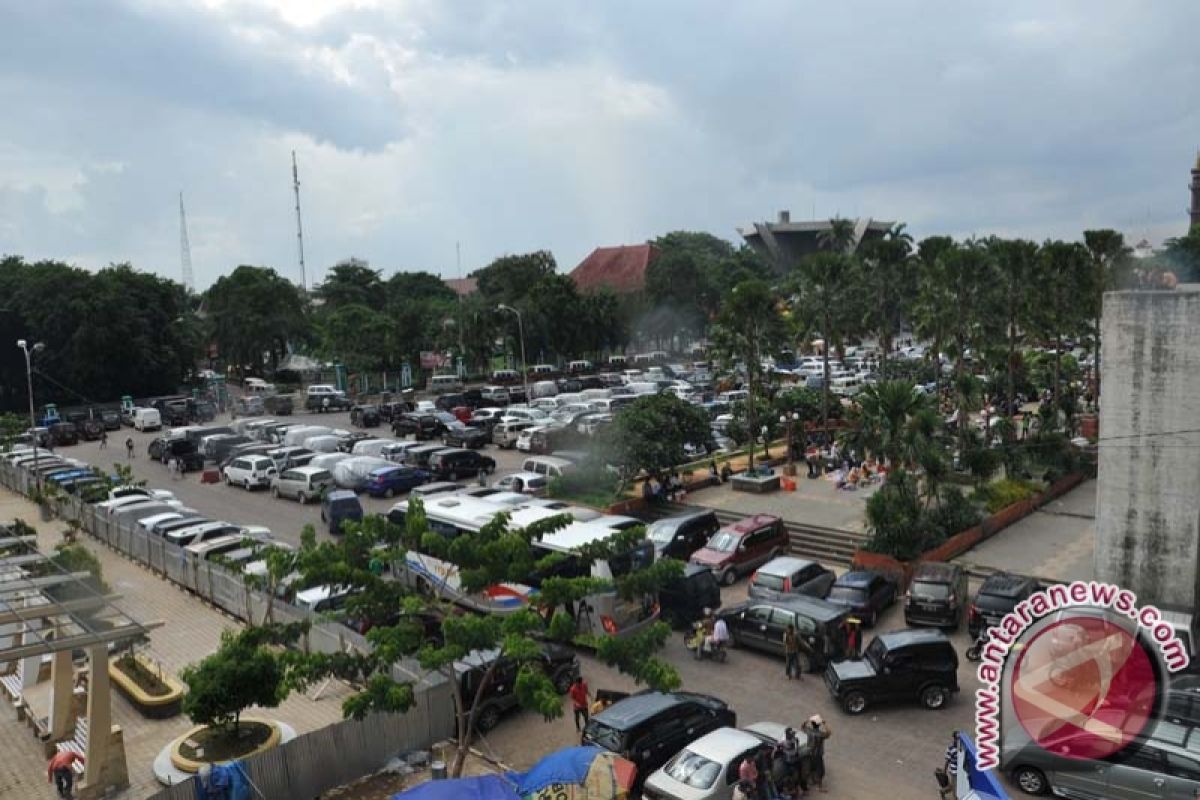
column 1148, row 492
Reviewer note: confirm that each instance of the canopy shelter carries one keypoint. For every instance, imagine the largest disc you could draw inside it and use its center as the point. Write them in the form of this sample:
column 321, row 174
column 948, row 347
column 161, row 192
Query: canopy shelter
column 48, row 614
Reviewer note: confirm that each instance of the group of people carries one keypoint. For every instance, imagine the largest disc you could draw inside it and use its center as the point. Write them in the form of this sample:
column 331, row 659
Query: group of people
column 711, row 632
column 660, row 488
column 790, row 768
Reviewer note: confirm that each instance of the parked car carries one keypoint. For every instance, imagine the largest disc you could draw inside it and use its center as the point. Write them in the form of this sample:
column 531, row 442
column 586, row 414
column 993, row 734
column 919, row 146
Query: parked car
column 419, row 426
column 529, row 483
column 787, row 575
column 686, row 599
column 390, row 481
column 347, row 441
column 998, row 595
column 111, row 420
column 365, row 416
column 147, row 419
column 64, row 434
column 506, row 432
column 743, row 545
column 288, row 457
column 650, row 727
column 708, row 767
column 865, row 592
column 251, row 449
column 937, row 595
column 458, row 463
column 325, row 397
column 339, row 506
column 393, row 410
column 759, row 625
column 461, row 435
column 184, row 451
column 303, row 483
column 250, row 472
column 916, row 664
column 279, row 405
column 419, row 456
column 560, row 665
column 426, row 490
column 680, row 536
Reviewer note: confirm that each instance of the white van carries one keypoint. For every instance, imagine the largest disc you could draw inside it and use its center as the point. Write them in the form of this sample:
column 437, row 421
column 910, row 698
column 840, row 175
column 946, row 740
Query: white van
column 846, row 387
column 550, row 466
column 542, row 369
column 640, row 388
column 259, row 388
column 147, row 419
column 543, row 389
column 589, row 395
column 494, row 394
column 322, row 599
column 579, row 366
column 445, row 383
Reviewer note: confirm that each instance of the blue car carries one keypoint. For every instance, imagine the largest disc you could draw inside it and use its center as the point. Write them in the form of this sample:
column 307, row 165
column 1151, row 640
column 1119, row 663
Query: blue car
column 865, row 593
column 388, row 481
column 66, row 475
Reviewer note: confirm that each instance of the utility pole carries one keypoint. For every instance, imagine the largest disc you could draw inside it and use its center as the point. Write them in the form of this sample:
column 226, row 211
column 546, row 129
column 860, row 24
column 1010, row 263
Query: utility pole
column 185, row 249
column 299, row 228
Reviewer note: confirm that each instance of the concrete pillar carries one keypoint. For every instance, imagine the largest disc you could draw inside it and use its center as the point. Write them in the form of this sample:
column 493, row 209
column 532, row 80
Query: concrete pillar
column 62, row 696
column 30, row 666
column 99, row 716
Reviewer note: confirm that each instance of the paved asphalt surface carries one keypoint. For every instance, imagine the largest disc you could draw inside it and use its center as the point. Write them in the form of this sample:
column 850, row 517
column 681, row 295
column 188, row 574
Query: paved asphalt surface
column 888, row 752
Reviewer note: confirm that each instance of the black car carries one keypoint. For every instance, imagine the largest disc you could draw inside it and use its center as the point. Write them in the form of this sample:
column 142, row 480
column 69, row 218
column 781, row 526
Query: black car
column 913, row 664
column 685, row 600
column 393, row 410
column 461, row 435
column 364, row 416
column 998, row 595
column 64, row 433
column 759, row 625
column 560, row 665
column 202, row 411
column 182, row 450
column 449, row 402
column 174, row 412
column 419, row 426
column 865, row 593
column 111, row 420
column 937, row 595
column 650, row 727
column 279, row 405
column 458, row 463
column 680, row 536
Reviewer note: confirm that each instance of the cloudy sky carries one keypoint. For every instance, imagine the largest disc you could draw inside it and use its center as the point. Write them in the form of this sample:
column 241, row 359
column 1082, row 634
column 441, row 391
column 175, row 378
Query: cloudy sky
column 515, row 125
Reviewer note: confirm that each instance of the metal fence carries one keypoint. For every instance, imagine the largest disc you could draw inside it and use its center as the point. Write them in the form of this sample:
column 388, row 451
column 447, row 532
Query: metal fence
column 314, row 762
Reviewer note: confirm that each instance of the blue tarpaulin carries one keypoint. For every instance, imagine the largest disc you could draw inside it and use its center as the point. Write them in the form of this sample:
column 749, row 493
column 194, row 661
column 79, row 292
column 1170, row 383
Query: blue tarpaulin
column 484, row 787
column 975, row 783
column 224, row 782
column 565, row 766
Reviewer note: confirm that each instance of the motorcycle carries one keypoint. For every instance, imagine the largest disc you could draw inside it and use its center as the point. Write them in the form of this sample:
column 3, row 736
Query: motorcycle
column 716, row 651
column 975, row 649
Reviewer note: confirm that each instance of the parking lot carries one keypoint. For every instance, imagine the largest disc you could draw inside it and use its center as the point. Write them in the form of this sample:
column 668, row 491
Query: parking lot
column 888, row 751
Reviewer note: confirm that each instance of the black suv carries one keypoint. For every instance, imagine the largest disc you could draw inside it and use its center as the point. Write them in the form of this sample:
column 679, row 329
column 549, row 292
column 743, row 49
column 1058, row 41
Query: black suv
column 999, row 594
column 421, row 426
column 180, row 449
column 560, row 665
column 650, row 727
column 679, row 537
column 458, row 463
column 913, row 664
column 465, row 436
column 936, row 596
column 364, row 416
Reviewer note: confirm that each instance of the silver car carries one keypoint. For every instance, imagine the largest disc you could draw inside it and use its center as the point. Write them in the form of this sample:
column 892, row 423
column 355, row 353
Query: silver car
column 1163, row 766
column 707, row 769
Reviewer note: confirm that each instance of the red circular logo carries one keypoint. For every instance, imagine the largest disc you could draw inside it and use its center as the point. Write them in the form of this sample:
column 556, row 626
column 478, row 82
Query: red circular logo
column 1084, row 687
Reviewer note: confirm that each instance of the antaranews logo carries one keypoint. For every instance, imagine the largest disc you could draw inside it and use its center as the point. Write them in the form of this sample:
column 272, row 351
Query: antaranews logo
column 1085, row 684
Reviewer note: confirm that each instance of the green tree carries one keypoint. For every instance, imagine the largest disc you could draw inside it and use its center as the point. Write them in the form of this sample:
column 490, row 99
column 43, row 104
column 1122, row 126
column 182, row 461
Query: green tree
column 356, row 336
column 420, row 287
column 650, row 434
column 1110, row 258
column 895, row 518
column 508, row 279
column 253, row 312
column 243, row 672
column 933, row 317
column 749, row 327
column 1182, row 255
column 838, row 237
column 1015, row 261
column 352, row 283
column 890, row 282
column 1064, row 273
column 887, row 428
column 554, row 318
column 675, row 280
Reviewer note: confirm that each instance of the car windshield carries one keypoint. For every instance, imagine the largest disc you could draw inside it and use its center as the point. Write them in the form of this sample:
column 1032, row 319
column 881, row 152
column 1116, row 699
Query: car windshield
column 693, row 770
column 994, row 602
column 933, row 591
column 601, row 734
column 662, row 534
column 724, row 542
column 875, row 653
column 847, row 594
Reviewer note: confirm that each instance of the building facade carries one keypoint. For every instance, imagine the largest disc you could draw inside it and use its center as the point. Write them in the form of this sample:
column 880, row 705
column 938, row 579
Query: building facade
column 784, row 243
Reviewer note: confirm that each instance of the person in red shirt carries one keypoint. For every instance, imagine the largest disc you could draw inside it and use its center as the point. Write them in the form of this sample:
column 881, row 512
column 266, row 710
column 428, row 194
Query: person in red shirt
column 59, row 771
column 579, row 700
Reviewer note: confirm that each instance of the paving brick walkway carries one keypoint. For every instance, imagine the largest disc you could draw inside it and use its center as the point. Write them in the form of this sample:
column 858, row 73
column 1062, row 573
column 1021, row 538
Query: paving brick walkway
column 192, row 631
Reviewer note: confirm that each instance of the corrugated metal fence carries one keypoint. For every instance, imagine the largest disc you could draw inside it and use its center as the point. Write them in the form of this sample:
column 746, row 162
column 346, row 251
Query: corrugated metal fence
column 317, row 761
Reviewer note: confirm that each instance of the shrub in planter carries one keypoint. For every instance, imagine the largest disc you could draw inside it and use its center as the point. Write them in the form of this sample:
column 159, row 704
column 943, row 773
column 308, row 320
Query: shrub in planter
column 895, row 518
column 954, row 514
column 1002, row 494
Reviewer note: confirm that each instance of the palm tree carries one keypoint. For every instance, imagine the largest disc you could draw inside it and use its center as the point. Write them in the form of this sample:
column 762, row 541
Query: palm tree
column 1110, row 263
column 827, row 287
column 1063, row 267
column 970, row 278
column 889, row 275
column 932, row 315
column 1015, row 260
column 885, row 411
column 839, row 237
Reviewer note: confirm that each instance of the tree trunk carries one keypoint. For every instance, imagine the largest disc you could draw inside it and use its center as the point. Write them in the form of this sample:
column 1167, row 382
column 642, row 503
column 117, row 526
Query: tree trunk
column 1057, row 369
column 751, row 417
column 825, row 377
column 466, row 722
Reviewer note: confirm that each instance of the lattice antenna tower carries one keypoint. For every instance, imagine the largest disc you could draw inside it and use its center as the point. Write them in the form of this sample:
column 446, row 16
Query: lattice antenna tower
column 185, row 249
column 299, row 228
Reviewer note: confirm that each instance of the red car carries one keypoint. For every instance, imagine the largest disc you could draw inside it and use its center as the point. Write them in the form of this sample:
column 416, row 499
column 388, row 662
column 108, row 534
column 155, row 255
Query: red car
column 462, row 414
column 739, row 548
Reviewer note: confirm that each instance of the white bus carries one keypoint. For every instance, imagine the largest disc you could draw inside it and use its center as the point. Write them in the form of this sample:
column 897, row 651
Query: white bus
column 457, row 515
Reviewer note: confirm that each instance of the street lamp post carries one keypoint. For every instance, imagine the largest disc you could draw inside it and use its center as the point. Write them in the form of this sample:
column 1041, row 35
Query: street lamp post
column 521, row 333
column 789, row 419
column 29, row 351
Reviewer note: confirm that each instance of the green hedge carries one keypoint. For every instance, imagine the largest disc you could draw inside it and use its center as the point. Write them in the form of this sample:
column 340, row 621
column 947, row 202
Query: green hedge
column 1003, row 493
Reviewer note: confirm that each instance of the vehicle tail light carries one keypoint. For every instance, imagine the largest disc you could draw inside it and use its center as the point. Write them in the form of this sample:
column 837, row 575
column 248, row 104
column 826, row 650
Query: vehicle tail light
column 787, row 584
column 974, row 611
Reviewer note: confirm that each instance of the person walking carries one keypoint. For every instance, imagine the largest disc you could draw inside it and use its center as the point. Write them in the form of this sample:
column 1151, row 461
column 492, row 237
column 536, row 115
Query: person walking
column 129, row 448
column 60, row 772
column 816, row 731
column 789, row 748
column 748, row 776
column 579, row 701
column 791, row 653
column 103, row 440
column 950, row 768
column 853, row 638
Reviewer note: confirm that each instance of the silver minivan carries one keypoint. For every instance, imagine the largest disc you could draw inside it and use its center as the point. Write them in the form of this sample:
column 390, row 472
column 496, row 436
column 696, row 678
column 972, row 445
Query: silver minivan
column 506, row 432
column 303, row 483
column 549, row 466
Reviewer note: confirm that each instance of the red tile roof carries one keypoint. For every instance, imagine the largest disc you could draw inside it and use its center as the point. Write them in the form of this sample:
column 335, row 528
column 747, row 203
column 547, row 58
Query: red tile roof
column 621, row 269
column 463, row 286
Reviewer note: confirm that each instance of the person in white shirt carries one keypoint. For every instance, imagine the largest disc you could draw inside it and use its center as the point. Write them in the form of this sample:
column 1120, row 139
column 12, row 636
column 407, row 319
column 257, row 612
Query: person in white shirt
column 720, row 634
